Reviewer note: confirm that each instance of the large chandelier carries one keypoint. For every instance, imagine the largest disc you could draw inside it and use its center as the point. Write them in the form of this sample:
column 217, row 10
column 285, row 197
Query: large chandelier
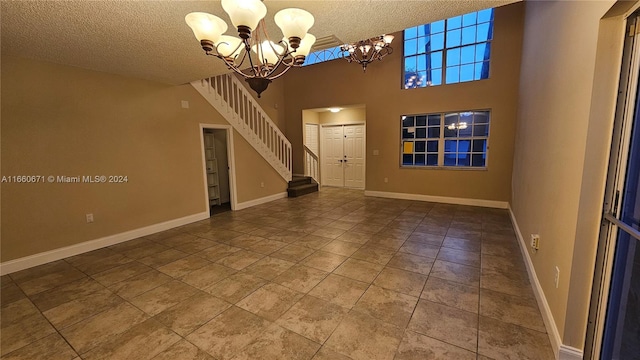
column 252, row 54
column 367, row 51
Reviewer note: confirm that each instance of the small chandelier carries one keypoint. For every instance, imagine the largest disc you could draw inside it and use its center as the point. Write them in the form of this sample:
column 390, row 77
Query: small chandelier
column 367, row 51
column 252, row 54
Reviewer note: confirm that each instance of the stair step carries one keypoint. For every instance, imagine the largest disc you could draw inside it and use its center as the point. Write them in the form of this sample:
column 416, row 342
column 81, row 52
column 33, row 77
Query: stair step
column 302, row 189
column 300, row 180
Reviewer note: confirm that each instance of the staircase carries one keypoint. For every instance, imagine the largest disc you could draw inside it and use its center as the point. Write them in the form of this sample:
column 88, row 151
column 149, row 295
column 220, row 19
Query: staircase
column 231, row 99
column 301, row 185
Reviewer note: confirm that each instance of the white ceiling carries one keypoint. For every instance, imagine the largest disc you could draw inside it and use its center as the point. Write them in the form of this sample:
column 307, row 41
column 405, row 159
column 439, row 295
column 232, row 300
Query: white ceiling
column 150, row 39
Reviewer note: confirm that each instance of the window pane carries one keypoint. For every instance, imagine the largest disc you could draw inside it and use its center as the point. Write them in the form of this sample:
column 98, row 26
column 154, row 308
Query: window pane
column 449, row 159
column 408, row 121
column 451, row 118
column 478, row 160
column 467, row 54
column 454, row 22
column 466, row 72
column 423, row 30
column 437, row 42
column 422, row 45
column 432, row 160
column 422, row 62
column 420, row 159
column 479, row 145
column 481, row 117
column 422, row 76
column 469, row 19
column 465, row 130
column 434, row 132
column 436, row 77
column 434, row 120
column 407, row 159
column 466, row 117
column 406, row 134
column 421, row 120
column 432, row 146
column 410, row 64
column 453, row 38
column 421, row 146
column 481, row 49
column 410, row 47
column 453, row 57
column 453, row 74
column 437, row 26
column 468, row 35
column 482, row 32
column 485, row 15
column 450, row 145
column 487, row 52
column 480, row 130
column 464, row 145
column 410, row 33
column 481, row 71
column 464, row 159
column 435, row 60
column 421, row 133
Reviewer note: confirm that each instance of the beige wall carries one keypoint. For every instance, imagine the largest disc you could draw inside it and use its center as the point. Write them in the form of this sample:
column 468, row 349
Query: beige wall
column 344, row 116
column 379, row 90
column 567, row 92
column 60, row 120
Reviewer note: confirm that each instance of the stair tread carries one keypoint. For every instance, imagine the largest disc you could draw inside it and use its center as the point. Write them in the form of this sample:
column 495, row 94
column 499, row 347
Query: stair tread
column 304, row 186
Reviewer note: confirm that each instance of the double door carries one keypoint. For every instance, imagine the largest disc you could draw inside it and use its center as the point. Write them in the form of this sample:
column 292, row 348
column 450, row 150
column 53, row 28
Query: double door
column 343, row 156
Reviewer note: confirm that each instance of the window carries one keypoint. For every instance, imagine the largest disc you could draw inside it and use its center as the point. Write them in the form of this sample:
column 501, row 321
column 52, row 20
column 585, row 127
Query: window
column 456, row 139
column 323, row 55
column 453, row 50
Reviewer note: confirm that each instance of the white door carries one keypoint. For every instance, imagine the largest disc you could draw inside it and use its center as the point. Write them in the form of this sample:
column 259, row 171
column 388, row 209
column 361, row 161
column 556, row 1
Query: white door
column 343, row 162
column 354, row 156
column 332, row 158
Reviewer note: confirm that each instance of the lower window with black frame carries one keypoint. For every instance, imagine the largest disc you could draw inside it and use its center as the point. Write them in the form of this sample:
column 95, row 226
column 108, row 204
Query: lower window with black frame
column 452, row 139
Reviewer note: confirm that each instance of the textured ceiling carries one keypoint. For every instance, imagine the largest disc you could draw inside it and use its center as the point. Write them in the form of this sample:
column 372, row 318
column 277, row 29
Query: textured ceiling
column 150, row 40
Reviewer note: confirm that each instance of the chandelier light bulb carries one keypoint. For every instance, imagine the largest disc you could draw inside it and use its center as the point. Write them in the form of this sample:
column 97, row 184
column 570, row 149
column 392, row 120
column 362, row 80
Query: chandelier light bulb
column 294, row 24
column 268, row 53
column 206, row 26
column 387, row 38
column 245, row 14
column 229, row 46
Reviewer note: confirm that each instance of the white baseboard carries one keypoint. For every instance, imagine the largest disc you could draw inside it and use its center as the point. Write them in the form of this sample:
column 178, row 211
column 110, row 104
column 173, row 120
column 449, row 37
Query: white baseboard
column 569, row 353
column 439, row 199
column 26, row 262
column 263, row 200
column 561, row 352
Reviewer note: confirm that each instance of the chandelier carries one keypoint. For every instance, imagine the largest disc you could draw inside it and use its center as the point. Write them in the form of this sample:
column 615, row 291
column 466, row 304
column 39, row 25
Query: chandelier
column 367, row 51
column 252, row 54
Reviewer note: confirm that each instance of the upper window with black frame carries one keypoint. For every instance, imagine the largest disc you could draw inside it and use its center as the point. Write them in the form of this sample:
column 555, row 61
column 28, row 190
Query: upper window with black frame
column 455, row 139
column 450, row 51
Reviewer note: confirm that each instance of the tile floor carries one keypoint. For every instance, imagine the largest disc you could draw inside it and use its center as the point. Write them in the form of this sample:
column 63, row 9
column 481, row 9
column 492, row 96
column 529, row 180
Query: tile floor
column 332, row 275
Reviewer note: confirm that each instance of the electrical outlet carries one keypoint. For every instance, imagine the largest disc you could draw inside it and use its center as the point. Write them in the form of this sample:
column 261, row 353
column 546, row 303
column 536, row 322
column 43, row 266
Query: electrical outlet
column 556, row 279
column 386, row 180
column 262, row 184
column 89, row 218
column 535, row 241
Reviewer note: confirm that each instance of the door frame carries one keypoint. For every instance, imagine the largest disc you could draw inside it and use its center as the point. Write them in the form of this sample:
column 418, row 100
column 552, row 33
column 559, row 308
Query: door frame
column 364, row 144
column 230, row 159
column 603, row 272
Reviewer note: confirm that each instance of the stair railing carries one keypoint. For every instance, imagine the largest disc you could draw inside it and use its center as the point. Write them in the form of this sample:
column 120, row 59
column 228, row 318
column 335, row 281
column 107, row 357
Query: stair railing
column 311, row 164
column 237, row 105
